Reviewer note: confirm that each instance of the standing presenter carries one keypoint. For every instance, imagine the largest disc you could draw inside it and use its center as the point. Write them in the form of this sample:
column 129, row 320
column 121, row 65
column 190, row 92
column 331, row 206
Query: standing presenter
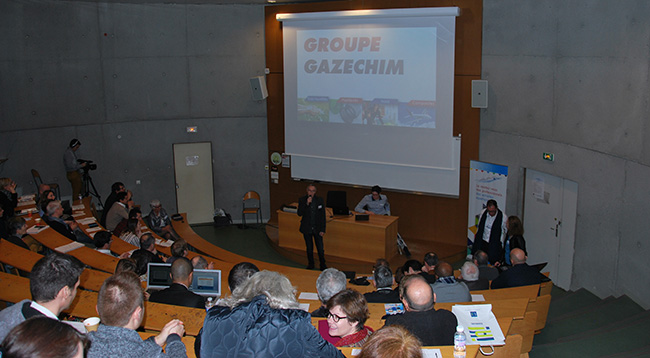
column 312, row 225
column 374, row 203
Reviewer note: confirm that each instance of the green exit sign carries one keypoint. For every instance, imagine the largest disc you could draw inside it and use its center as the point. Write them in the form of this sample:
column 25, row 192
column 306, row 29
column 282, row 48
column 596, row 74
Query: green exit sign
column 548, row 156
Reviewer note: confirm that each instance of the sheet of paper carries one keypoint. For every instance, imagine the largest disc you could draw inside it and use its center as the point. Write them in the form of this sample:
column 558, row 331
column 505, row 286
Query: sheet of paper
column 162, row 243
column 87, row 221
column 28, row 197
column 93, row 229
column 78, row 214
column 355, row 351
column 69, row 247
column 394, row 308
column 78, row 207
column 308, row 296
column 36, row 229
column 478, row 298
column 431, row 353
column 30, row 210
column 25, row 203
column 304, row 307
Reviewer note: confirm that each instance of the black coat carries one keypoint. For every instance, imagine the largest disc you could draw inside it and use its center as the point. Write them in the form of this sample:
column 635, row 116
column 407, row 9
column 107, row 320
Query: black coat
column 517, row 275
column 305, row 211
column 382, row 296
column 178, row 295
column 433, row 327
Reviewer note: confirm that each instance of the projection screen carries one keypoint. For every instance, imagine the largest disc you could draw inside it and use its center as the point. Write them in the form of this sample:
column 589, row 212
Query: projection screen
column 369, row 98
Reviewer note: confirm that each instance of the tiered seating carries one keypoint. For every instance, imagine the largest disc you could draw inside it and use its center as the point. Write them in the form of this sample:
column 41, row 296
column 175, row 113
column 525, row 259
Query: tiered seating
column 520, row 311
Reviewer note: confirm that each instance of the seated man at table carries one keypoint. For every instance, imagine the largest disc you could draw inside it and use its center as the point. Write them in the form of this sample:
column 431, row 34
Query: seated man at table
column 67, row 228
column 447, row 288
column 374, row 203
column 383, row 282
column 53, row 284
column 469, row 275
column 148, row 245
column 159, row 221
column 520, row 274
column 120, row 304
column 484, row 271
column 428, row 269
column 240, row 273
column 17, row 227
column 179, row 249
column 200, row 263
column 119, row 211
column 116, row 188
column 103, row 241
column 433, row 327
column 178, row 293
column 330, row 282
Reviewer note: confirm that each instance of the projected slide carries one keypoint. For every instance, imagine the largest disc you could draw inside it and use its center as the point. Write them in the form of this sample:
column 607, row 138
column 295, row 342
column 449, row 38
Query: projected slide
column 369, row 98
column 332, row 64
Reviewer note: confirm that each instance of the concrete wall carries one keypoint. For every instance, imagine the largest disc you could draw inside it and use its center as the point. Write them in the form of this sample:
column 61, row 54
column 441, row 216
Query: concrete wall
column 126, row 79
column 572, row 78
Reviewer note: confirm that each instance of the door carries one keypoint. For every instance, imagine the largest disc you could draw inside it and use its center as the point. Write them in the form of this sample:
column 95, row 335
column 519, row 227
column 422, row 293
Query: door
column 550, row 208
column 194, row 181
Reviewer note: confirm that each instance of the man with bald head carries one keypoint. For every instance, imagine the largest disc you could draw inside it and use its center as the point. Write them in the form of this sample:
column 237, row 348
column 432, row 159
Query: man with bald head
column 178, row 293
column 433, row 327
column 520, row 274
column 447, row 288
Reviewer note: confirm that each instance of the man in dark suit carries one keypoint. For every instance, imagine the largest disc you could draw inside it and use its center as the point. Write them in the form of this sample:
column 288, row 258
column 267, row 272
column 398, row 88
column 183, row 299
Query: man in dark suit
column 383, row 282
column 520, row 274
column 68, row 228
column 178, row 293
column 312, row 225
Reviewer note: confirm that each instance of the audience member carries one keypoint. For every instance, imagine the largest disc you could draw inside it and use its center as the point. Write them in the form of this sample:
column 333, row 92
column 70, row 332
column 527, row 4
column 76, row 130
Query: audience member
column 42, row 188
column 120, row 305
column 383, row 282
column 392, row 342
column 514, row 238
column 484, row 271
column 490, row 232
column 126, row 265
column 178, row 293
column 430, row 262
column 412, row 267
column 116, row 188
column 159, row 222
column 67, row 228
column 4, row 232
column 520, row 274
column 179, row 249
column 261, row 319
column 134, row 213
column 433, row 327
column 347, row 313
column 103, row 240
column 53, row 285
column 44, row 199
column 148, row 243
column 119, row 211
column 240, row 273
column 8, row 197
column 43, row 337
column 447, row 288
column 142, row 259
column 330, row 282
column 200, row 263
column 17, row 227
column 470, row 276
column 132, row 232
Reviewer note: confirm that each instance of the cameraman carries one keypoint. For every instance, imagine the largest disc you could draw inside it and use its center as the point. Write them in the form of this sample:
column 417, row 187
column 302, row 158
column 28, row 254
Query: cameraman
column 73, row 167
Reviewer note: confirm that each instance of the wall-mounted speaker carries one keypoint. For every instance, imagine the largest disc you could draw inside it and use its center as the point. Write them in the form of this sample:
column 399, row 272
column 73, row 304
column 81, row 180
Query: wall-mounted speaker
column 479, row 94
column 258, row 88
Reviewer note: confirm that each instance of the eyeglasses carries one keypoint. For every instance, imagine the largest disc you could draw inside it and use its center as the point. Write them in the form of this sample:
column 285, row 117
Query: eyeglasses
column 334, row 317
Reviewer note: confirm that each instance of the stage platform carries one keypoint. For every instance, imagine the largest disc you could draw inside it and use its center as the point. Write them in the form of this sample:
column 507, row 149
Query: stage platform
column 418, row 247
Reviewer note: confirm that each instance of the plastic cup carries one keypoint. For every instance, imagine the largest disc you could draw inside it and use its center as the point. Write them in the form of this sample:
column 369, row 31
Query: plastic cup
column 91, row 324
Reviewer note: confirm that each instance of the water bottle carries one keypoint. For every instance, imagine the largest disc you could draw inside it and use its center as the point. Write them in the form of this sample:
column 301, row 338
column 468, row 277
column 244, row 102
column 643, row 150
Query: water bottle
column 209, row 303
column 459, row 342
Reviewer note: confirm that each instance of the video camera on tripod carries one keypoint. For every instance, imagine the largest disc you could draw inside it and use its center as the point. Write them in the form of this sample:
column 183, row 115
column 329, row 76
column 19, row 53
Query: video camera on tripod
column 89, row 164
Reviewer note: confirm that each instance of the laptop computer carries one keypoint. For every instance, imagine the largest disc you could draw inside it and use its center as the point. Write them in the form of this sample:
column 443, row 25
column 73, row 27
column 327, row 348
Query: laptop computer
column 204, row 282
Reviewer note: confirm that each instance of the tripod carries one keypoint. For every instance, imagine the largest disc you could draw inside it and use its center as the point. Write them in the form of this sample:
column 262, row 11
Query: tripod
column 89, row 187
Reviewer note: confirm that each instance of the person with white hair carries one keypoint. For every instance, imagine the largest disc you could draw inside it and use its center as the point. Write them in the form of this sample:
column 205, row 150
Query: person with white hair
column 469, row 274
column 158, row 221
column 262, row 319
column 330, row 282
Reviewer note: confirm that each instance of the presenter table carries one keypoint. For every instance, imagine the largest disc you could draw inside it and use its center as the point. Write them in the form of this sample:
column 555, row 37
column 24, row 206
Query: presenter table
column 344, row 237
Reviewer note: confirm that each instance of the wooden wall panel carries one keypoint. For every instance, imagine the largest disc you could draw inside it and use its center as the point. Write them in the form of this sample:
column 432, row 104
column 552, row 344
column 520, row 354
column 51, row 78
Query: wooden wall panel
column 422, row 217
